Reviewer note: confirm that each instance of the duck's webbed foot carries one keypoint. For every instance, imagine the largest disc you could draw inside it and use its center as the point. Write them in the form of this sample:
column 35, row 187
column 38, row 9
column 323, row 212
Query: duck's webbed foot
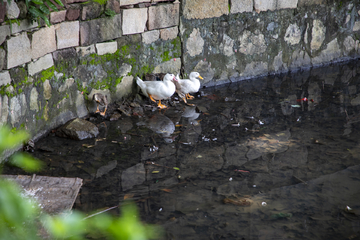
column 161, row 105
column 188, row 96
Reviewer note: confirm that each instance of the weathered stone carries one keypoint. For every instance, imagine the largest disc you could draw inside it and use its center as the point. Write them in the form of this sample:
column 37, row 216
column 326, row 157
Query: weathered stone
column 106, row 168
column 4, row 110
column 131, row 2
column 91, row 11
column 317, row 34
column 293, row 34
column 67, row 34
column 134, row 20
column 83, row 51
column 64, row 55
column 107, row 47
column 78, row 129
column 278, row 64
column 2, row 11
column 23, row 104
column 23, row 9
column 47, row 89
column 349, row 44
column 255, row 69
column 239, row 6
column 163, row 16
column 132, row 176
column 124, row 70
column 252, row 43
column 195, row 43
column 302, row 3
column 72, row 14
column 67, row 84
column 2, row 59
column 5, row 78
column 227, row 45
column 261, row 6
column 205, row 70
column 150, row 36
column 300, row 59
column 169, row 33
column 332, row 52
column 34, row 96
column 172, row 66
column 356, row 26
column 281, row 4
column 100, row 30
column 12, row 10
column 57, row 17
column 200, row 9
column 24, row 26
column 18, row 50
column 113, row 5
column 43, row 42
column 15, row 110
column 81, row 109
column 124, row 88
column 40, row 64
column 4, row 32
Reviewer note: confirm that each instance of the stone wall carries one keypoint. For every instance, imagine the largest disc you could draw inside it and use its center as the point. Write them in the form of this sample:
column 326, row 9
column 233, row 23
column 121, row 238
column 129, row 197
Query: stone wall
column 238, row 39
column 49, row 74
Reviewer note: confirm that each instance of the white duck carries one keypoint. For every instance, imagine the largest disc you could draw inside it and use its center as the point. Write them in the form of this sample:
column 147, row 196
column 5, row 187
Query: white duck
column 158, row 90
column 186, row 86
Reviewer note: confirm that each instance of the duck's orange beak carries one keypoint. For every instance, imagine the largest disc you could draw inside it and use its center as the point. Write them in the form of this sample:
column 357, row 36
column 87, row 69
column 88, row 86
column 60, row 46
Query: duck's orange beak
column 174, row 79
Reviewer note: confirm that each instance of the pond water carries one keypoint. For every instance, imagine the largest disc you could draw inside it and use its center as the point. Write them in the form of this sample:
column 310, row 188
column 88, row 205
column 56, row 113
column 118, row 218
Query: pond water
column 268, row 158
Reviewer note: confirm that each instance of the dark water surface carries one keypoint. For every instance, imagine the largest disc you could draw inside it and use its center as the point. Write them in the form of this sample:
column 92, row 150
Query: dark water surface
column 254, row 160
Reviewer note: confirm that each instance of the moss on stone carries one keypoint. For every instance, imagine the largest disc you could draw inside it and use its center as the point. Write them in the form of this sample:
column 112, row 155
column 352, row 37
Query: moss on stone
column 47, row 74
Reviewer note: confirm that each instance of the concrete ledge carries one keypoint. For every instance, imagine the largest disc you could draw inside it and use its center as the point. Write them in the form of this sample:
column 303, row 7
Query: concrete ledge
column 4, row 78
column 67, row 34
column 18, row 50
column 134, row 20
column 40, row 64
column 43, row 42
column 201, row 9
column 104, row 48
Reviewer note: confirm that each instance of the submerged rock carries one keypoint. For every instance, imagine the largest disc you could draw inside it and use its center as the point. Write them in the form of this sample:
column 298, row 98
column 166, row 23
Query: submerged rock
column 78, row 129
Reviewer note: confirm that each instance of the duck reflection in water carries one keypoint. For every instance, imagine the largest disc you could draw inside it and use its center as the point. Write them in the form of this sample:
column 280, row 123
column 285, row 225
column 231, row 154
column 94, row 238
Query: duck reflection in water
column 162, row 125
column 191, row 113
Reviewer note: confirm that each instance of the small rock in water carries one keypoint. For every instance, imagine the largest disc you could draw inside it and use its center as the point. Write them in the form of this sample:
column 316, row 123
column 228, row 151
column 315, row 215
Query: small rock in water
column 78, row 129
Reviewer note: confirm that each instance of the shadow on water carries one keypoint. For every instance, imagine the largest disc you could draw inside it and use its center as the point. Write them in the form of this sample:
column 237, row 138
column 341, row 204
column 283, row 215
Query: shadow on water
column 270, row 158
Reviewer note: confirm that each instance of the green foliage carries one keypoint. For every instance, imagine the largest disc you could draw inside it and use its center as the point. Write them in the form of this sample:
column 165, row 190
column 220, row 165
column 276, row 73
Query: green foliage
column 41, row 9
column 101, row 2
column 21, row 218
column 47, row 74
column 110, row 13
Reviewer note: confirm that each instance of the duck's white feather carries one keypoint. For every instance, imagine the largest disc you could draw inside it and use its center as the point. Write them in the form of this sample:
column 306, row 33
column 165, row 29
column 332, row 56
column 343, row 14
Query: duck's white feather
column 158, row 89
column 191, row 85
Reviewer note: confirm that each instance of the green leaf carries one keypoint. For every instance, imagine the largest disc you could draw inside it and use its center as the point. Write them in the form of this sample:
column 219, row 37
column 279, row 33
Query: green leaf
column 9, row 140
column 26, row 162
column 46, row 20
column 37, row 2
column 59, row 2
column 35, row 12
column 176, row 168
column 44, row 9
column 64, row 226
column 51, row 5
